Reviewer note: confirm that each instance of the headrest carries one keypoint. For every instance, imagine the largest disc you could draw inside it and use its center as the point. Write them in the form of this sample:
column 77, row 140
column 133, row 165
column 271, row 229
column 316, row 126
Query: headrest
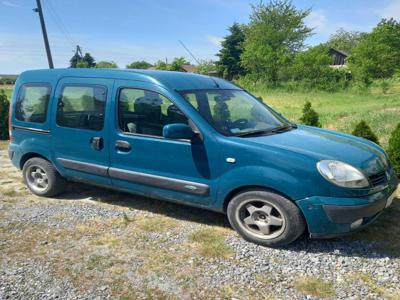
column 149, row 101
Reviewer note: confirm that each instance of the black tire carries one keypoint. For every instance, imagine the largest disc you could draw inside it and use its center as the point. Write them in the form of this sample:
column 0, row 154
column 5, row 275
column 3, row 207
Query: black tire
column 52, row 182
column 283, row 225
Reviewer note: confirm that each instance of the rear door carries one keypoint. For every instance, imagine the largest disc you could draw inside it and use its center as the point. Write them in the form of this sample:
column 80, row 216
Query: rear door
column 79, row 128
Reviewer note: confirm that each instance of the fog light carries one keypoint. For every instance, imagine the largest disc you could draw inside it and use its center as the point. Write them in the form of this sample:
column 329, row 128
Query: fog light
column 356, row 224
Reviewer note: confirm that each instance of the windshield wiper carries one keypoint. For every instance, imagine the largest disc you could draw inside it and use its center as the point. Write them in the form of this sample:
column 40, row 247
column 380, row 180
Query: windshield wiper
column 254, row 132
column 282, row 128
column 279, row 129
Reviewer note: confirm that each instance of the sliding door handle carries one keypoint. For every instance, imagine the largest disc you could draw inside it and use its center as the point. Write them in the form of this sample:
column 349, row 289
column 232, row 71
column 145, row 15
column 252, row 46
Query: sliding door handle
column 123, row 146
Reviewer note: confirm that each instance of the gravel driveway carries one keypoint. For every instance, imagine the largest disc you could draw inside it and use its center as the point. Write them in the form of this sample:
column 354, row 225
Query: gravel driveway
column 95, row 243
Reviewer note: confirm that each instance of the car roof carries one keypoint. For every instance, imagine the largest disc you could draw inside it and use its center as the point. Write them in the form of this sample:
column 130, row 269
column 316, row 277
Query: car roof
column 169, row 79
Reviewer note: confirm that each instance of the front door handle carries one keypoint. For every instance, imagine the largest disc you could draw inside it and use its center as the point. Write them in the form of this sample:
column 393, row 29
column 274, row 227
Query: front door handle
column 97, row 143
column 123, row 146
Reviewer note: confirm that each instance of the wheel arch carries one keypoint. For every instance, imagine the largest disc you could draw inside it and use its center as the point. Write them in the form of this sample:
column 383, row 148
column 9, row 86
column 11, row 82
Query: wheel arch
column 28, row 156
column 246, row 188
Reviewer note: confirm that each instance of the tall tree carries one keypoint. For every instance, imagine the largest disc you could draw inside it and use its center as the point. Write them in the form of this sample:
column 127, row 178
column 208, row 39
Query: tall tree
column 345, row 40
column 89, row 60
column 74, row 60
column 140, row 64
column 275, row 33
column 229, row 55
column 77, row 61
column 378, row 53
column 106, row 64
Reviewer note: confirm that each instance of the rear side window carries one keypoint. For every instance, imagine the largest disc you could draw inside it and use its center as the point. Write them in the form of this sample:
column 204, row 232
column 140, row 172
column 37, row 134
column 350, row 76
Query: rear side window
column 82, row 107
column 32, row 103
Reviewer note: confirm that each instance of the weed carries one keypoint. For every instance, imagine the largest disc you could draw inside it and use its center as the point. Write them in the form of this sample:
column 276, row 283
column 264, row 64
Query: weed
column 126, row 219
column 210, row 242
column 94, row 261
column 8, row 192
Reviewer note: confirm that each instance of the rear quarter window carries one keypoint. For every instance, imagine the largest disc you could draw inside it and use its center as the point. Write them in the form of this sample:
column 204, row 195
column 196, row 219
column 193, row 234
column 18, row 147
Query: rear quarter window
column 32, row 103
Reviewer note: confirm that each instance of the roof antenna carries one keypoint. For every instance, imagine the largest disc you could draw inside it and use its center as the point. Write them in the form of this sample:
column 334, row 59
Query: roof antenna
column 190, row 53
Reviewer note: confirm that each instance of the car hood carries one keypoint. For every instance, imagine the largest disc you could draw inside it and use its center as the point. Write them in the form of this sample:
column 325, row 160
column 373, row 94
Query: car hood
column 327, row 144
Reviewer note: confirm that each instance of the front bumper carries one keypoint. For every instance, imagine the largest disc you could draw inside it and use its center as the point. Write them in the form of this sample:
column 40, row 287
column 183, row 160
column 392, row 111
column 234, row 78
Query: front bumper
column 331, row 216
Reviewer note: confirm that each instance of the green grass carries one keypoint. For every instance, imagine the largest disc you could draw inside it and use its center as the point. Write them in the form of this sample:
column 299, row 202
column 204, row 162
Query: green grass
column 316, row 287
column 341, row 111
column 210, row 242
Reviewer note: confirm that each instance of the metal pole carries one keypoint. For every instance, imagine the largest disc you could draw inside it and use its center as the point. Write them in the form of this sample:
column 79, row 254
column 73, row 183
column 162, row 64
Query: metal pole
column 46, row 40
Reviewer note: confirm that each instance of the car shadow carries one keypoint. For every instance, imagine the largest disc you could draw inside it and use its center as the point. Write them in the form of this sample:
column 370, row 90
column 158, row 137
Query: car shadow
column 177, row 211
column 376, row 241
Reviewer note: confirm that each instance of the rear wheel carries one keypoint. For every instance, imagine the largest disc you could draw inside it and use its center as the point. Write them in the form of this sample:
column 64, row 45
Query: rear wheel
column 42, row 178
column 265, row 218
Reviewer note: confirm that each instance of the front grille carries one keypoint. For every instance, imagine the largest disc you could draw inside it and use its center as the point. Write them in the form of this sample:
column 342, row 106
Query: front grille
column 378, row 179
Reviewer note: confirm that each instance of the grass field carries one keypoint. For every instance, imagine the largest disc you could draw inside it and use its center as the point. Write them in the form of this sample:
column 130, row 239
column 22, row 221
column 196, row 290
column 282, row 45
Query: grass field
column 341, row 111
column 338, row 111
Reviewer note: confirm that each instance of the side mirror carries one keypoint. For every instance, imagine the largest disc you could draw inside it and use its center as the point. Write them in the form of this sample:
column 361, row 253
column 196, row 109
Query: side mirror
column 178, row 131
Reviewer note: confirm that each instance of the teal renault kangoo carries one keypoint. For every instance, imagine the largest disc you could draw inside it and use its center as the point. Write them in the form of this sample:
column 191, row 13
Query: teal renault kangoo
column 196, row 140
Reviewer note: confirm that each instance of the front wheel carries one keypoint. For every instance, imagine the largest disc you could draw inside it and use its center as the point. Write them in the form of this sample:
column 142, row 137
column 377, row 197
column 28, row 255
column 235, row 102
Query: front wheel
column 265, row 218
column 42, row 178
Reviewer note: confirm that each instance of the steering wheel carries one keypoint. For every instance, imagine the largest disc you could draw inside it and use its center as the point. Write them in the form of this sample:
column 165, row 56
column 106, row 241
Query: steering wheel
column 239, row 123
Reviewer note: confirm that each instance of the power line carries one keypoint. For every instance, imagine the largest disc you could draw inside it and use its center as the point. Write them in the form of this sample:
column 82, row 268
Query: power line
column 60, row 24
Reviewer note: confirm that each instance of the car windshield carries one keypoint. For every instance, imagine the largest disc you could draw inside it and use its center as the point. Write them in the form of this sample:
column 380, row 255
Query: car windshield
column 235, row 112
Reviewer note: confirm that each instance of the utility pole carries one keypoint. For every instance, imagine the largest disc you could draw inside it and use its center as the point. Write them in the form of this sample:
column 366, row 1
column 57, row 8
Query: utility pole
column 44, row 32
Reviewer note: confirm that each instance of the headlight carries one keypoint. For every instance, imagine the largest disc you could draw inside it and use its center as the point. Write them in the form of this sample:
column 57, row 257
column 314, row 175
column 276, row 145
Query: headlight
column 342, row 174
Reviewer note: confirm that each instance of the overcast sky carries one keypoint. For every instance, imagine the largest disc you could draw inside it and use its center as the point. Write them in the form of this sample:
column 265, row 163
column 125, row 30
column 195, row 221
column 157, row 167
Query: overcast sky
column 129, row 30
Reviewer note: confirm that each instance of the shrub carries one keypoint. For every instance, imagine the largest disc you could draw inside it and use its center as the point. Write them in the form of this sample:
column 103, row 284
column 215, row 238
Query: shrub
column 363, row 130
column 310, row 116
column 394, row 149
column 311, row 71
column 4, row 105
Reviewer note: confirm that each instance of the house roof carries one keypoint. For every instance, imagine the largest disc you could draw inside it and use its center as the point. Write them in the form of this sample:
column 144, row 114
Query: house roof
column 188, row 68
column 338, row 51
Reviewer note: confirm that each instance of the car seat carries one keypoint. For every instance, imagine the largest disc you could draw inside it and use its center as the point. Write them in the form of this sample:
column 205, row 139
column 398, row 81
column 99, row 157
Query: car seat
column 148, row 109
column 174, row 115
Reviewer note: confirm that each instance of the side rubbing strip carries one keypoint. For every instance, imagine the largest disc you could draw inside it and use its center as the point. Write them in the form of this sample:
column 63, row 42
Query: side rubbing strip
column 37, row 130
column 160, row 181
column 84, row 167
